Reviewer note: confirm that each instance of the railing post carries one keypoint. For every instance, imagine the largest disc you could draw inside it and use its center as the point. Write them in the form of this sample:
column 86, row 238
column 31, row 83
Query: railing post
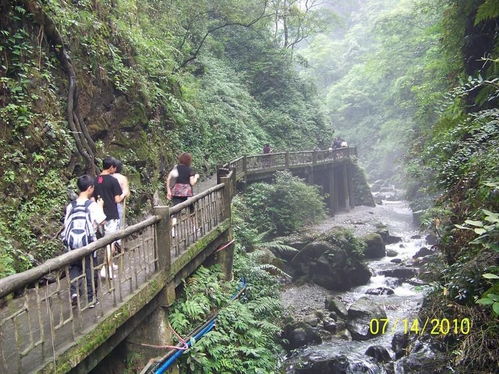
column 163, row 237
column 245, row 166
column 163, row 246
column 314, row 157
column 286, row 160
column 226, row 257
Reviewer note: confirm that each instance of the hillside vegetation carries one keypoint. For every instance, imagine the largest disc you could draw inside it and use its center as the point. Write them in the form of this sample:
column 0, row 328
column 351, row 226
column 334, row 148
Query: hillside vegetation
column 142, row 81
column 415, row 84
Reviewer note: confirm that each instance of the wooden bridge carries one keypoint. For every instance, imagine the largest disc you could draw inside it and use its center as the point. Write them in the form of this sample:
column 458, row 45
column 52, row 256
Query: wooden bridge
column 41, row 331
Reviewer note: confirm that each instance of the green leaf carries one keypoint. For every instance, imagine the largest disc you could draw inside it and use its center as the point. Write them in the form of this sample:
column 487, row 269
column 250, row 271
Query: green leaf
column 495, row 308
column 474, row 223
column 485, row 301
column 490, row 276
column 480, row 231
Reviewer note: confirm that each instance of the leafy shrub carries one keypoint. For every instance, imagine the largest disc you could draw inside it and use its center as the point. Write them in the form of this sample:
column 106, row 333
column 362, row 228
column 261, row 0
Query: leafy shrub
column 282, row 207
column 244, row 338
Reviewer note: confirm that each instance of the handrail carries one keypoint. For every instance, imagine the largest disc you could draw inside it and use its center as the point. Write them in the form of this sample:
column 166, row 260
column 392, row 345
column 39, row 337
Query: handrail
column 177, row 208
column 15, row 281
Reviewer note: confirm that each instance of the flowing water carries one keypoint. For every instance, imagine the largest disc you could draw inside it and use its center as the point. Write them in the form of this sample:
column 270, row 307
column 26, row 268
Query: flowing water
column 401, row 307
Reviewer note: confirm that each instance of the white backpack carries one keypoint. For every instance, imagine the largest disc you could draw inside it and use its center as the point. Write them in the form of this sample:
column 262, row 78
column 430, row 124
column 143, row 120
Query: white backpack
column 79, row 230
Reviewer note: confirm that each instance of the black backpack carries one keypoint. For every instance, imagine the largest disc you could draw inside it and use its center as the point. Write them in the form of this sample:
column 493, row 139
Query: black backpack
column 78, row 231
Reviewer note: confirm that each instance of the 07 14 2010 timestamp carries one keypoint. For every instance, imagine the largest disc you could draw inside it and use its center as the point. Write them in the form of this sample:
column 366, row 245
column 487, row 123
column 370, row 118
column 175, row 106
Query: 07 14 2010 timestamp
column 433, row 326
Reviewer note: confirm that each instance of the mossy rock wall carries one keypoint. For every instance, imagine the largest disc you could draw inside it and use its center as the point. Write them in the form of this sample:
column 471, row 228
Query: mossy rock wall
column 361, row 191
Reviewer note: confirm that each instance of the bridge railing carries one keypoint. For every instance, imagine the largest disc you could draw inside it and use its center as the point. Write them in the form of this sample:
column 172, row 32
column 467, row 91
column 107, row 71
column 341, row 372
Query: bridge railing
column 282, row 160
column 38, row 313
column 38, row 317
column 196, row 217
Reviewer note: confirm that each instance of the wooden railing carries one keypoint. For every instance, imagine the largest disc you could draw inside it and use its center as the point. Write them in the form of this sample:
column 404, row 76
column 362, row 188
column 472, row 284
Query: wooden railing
column 39, row 319
column 283, row 160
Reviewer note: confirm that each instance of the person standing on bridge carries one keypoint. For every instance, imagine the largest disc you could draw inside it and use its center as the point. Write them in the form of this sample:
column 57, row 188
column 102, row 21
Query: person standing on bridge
column 184, row 178
column 123, row 181
column 83, row 218
column 108, row 188
column 267, row 160
column 179, row 183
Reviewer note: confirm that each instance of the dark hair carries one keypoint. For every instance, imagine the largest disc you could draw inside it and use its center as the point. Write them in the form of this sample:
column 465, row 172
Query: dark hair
column 185, row 159
column 108, row 162
column 84, row 182
column 119, row 165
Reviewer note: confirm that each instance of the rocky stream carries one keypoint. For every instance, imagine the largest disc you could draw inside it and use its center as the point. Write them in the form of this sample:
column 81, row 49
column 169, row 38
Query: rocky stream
column 349, row 315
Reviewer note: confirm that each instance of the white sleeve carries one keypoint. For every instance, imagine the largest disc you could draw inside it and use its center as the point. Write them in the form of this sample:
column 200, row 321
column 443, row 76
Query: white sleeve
column 96, row 213
column 174, row 172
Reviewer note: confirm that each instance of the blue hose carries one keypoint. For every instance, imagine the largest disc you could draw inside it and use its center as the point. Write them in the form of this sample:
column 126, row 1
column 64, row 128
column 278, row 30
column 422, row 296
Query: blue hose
column 209, row 326
column 166, row 365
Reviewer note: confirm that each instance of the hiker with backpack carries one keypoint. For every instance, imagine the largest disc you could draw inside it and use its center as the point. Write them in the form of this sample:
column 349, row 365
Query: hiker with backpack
column 83, row 217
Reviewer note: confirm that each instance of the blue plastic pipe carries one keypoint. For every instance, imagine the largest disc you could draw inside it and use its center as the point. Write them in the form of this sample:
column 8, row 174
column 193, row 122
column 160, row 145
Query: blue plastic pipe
column 166, row 365
column 209, row 326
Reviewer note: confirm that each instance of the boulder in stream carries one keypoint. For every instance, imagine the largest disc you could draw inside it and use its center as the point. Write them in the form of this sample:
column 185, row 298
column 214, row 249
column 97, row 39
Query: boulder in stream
column 423, row 252
column 401, row 272
column 333, row 261
column 360, row 314
column 300, row 334
column 335, row 305
column 379, row 353
column 380, row 291
column 400, row 341
column 375, row 247
column 321, row 363
column 391, row 253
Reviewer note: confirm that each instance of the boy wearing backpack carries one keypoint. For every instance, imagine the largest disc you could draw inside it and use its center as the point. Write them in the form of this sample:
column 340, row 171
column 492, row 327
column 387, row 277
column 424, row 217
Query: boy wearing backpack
column 83, row 216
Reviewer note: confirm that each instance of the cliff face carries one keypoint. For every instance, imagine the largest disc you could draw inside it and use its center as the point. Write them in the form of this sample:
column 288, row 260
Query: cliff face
column 140, row 81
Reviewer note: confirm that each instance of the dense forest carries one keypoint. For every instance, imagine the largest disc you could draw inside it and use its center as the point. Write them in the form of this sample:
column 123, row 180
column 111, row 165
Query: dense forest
column 141, row 81
column 414, row 84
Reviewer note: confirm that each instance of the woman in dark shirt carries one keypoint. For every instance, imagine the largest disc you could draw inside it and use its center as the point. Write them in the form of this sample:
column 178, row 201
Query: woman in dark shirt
column 184, row 180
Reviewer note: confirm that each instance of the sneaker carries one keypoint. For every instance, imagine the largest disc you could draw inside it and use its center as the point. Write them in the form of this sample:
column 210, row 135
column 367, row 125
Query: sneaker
column 74, row 299
column 93, row 305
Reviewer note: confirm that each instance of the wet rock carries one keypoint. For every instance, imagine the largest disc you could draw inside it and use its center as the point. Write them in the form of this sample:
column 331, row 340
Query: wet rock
column 392, row 239
column 401, row 246
column 345, row 335
column 329, row 325
column 332, row 261
column 341, row 325
column 335, row 305
column 266, row 256
column 333, row 315
column 423, row 252
column 393, row 282
column 375, row 246
column 401, row 273
column 383, row 231
column 423, row 359
column 360, row 313
column 400, row 341
column 380, row 291
column 379, row 353
column 391, row 253
column 337, row 364
column 311, row 320
column 299, row 335
column 416, row 237
column 396, row 260
column 431, row 239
